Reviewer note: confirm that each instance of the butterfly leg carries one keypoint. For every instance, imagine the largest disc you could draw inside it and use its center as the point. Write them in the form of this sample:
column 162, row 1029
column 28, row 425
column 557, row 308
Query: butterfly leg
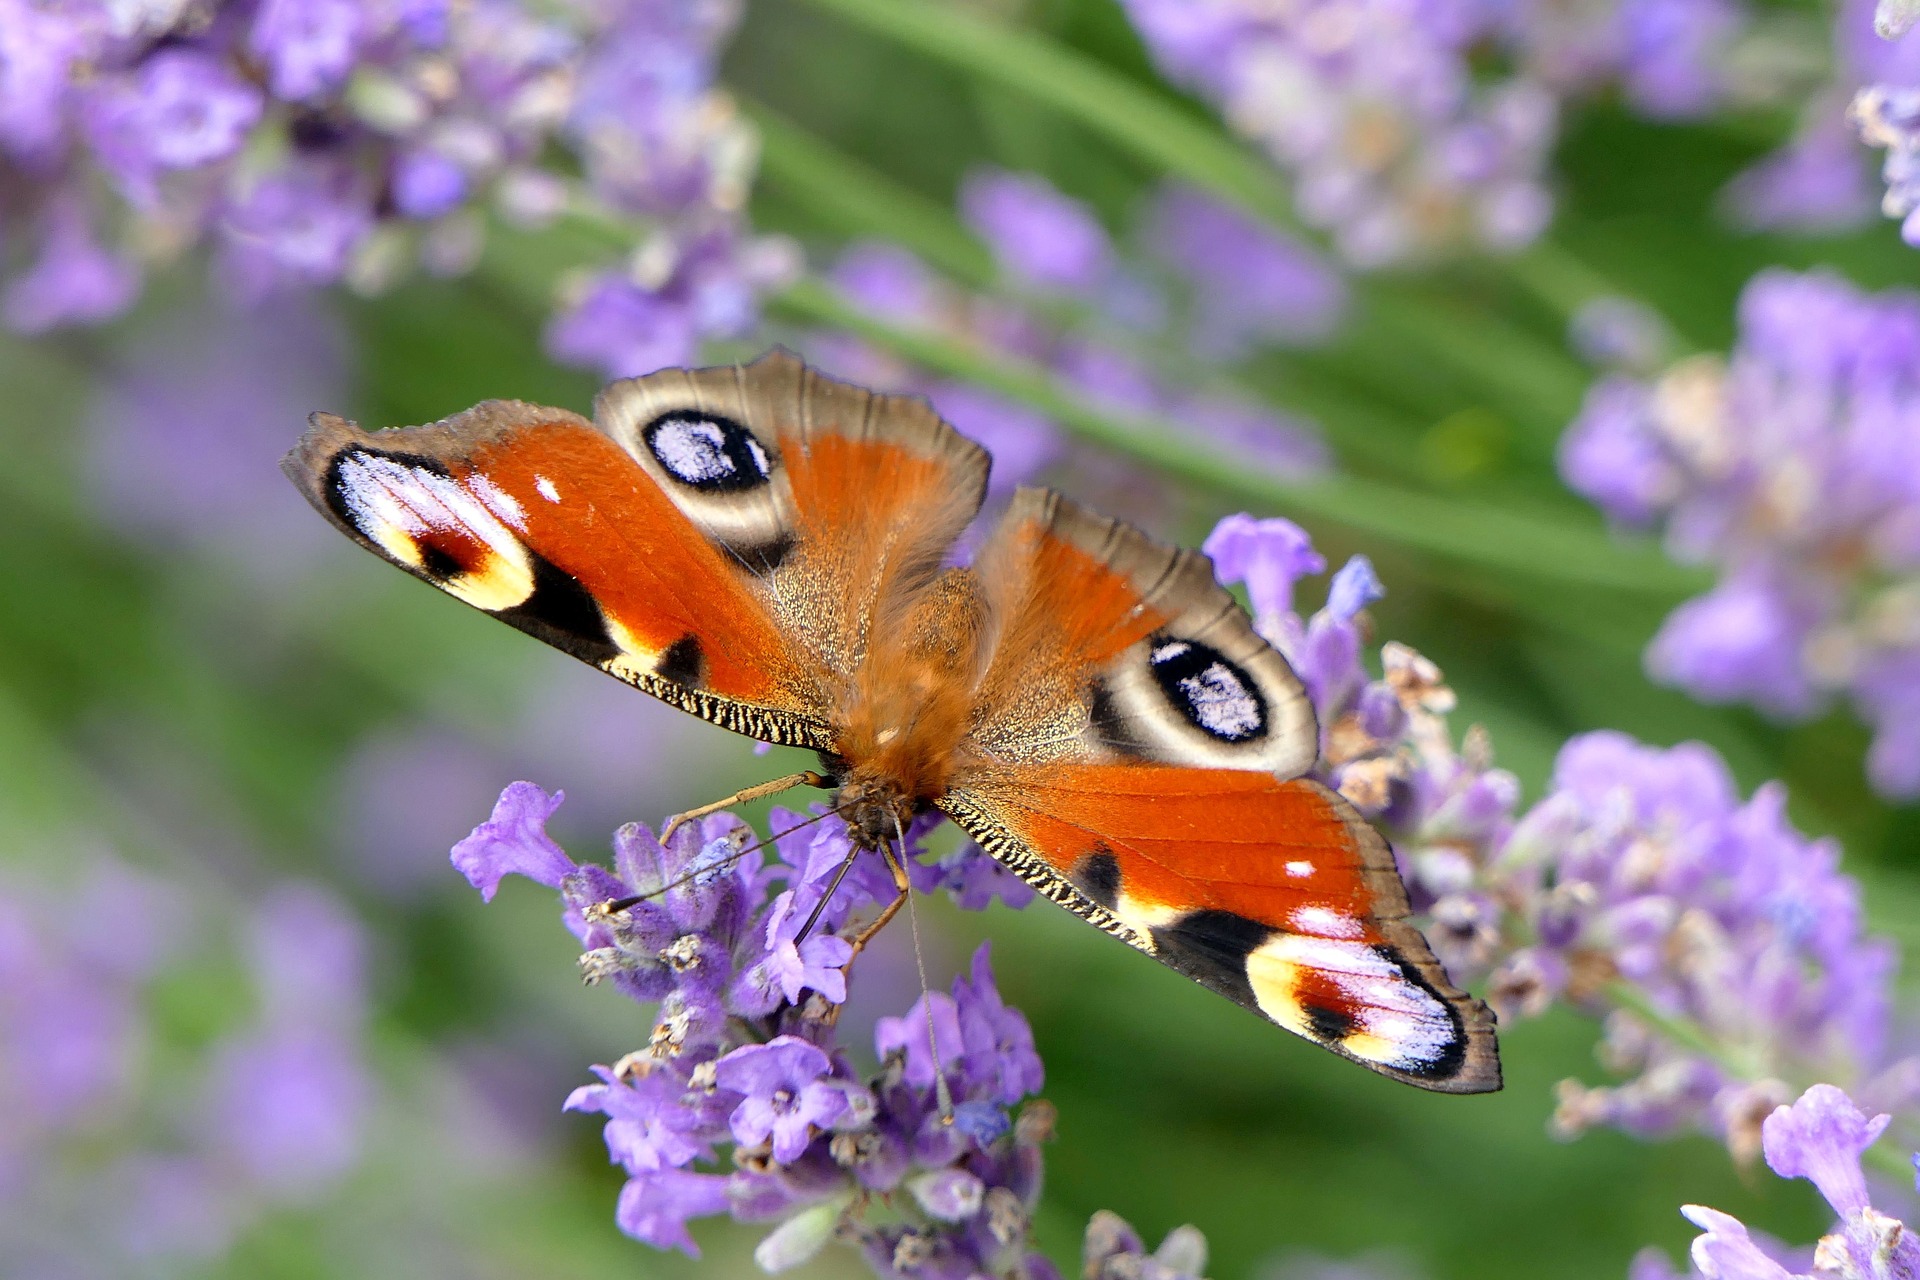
column 804, row 778
column 902, row 887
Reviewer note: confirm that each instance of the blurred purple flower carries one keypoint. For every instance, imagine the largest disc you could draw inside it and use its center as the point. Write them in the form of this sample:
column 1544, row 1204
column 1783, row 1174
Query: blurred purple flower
column 71, row 1032
column 1614, row 332
column 1276, row 443
column 1640, row 868
column 75, row 279
column 187, row 428
column 299, row 224
column 1741, row 642
column 1790, row 465
column 889, row 281
column 294, row 135
column 1395, row 147
column 309, row 46
column 1103, row 364
column 110, row 1168
column 403, row 796
column 183, row 109
column 1249, row 284
column 287, row 1100
column 1039, row 236
column 1819, row 182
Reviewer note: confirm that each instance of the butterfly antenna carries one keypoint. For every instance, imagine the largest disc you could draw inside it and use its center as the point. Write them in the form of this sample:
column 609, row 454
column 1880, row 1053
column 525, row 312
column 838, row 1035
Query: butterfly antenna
column 942, row 1094
column 833, row 887
column 621, row 904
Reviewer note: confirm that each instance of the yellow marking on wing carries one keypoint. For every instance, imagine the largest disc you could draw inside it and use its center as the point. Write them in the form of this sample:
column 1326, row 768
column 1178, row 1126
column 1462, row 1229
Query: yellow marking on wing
column 500, row 582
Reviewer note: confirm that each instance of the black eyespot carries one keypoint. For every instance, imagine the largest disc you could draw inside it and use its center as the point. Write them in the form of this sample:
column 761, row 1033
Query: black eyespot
column 683, row 662
column 1216, row 697
column 1328, row 1023
column 1098, row 875
column 707, row 452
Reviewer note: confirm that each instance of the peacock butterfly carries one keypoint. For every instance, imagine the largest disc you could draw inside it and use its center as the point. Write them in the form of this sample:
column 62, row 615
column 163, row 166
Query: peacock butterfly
column 768, row 548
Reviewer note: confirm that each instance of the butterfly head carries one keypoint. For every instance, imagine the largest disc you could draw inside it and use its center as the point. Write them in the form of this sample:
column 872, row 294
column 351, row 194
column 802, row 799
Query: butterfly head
column 876, row 808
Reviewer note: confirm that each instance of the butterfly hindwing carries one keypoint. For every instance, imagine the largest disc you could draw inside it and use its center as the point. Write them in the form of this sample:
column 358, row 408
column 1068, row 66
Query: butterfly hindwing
column 1131, row 650
column 1137, row 747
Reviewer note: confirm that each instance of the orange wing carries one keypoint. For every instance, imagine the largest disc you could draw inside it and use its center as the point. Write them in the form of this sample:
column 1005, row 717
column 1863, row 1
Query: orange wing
column 1135, row 759
column 1276, row 894
column 724, row 539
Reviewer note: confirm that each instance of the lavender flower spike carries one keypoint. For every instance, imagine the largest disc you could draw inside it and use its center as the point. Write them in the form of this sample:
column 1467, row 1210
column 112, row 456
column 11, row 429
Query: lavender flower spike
column 742, row 1052
column 1787, row 466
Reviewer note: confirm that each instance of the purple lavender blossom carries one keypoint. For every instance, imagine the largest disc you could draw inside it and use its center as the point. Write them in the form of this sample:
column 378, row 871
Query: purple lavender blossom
column 743, row 1054
column 782, row 1094
column 1249, row 284
column 1820, row 1137
column 1395, row 149
column 1114, row 1251
column 1789, row 466
column 1888, row 117
column 1645, row 889
column 315, row 142
column 1040, row 236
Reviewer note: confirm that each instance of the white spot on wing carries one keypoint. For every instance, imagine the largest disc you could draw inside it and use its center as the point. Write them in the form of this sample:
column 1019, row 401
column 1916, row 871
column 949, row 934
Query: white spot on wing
column 547, row 488
column 1326, row 923
column 1299, row 869
column 1143, row 915
column 500, row 502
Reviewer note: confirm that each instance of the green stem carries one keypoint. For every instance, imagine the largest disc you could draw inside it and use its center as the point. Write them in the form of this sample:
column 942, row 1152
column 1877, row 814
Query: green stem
column 843, row 190
column 1150, row 126
column 1684, row 1032
column 1505, row 540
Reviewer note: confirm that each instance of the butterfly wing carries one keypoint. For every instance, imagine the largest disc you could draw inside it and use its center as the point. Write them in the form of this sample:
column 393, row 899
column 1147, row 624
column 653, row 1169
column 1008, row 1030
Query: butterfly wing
column 724, row 539
column 1142, row 774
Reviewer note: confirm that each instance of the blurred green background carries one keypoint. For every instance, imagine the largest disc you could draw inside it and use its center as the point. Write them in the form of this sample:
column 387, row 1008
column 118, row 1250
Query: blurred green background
column 210, row 714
